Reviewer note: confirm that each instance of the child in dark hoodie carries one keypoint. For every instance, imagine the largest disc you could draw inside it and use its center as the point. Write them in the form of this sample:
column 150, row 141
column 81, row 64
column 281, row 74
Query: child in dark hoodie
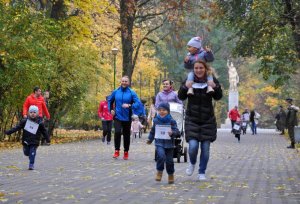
column 164, row 130
column 33, row 127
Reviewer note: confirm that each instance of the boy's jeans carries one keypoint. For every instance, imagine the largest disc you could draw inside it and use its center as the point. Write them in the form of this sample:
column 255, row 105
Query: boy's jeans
column 30, row 151
column 165, row 155
column 204, row 156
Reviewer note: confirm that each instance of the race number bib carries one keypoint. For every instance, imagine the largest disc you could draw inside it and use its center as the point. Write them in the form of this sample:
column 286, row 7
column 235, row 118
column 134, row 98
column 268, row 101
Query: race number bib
column 31, row 127
column 199, row 85
column 236, row 127
column 244, row 124
column 161, row 132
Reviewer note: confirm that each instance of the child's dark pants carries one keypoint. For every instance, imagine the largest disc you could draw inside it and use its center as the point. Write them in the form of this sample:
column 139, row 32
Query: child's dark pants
column 30, row 151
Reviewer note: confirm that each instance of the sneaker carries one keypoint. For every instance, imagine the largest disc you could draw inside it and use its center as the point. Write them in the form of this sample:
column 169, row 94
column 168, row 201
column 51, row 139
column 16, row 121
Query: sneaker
column 125, row 157
column 190, row 170
column 171, row 178
column 202, row 177
column 210, row 89
column 103, row 139
column 31, row 167
column 190, row 91
column 291, row 147
column 116, row 154
column 158, row 176
column 108, row 143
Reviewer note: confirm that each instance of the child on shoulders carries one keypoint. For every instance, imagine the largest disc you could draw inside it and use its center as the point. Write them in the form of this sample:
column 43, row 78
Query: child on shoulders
column 196, row 52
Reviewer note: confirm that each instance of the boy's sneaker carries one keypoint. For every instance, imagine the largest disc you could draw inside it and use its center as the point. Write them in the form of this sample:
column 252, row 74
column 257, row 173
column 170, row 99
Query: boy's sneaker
column 116, row 154
column 210, row 89
column 171, row 178
column 190, row 91
column 158, row 176
column 190, row 170
column 31, row 167
column 202, row 177
column 125, row 157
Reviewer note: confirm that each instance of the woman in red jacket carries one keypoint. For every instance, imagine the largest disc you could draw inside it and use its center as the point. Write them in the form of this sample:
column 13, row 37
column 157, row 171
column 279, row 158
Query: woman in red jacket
column 38, row 100
column 107, row 118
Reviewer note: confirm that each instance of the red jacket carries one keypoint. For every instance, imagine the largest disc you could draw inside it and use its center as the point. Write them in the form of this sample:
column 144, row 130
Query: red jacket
column 233, row 114
column 39, row 102
column 103, row 111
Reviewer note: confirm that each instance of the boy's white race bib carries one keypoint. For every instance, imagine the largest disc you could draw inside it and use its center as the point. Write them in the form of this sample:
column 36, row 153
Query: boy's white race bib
column 236, row 127
column 31, row 126
column 162, row 132
column 244, row 124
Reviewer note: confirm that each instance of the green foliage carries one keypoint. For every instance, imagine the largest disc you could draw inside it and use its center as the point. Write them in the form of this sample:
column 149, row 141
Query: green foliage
column 35, row 50
column 262, row 30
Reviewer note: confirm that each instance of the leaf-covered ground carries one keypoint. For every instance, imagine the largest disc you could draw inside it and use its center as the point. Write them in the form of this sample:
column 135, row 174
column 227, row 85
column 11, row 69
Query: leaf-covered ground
column 260, row 169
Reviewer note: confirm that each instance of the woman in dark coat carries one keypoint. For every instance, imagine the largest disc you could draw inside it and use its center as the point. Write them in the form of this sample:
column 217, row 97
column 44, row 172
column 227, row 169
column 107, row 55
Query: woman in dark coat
column 200, row 121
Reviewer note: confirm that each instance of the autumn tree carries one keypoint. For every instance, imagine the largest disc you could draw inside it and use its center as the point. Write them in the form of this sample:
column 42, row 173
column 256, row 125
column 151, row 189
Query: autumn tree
column 148, row 16
column 268, row 30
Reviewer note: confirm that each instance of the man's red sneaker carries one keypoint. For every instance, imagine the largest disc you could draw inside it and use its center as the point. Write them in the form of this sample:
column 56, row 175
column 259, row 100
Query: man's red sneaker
column 116, row 154
column 125, row 156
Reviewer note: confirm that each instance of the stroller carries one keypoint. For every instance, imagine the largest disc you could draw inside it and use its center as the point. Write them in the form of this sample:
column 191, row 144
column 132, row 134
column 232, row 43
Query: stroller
column 177, row 113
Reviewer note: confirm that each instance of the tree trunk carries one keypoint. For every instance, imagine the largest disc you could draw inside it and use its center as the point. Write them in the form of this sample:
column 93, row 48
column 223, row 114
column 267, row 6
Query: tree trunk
column 127, row 17
column 58, row 10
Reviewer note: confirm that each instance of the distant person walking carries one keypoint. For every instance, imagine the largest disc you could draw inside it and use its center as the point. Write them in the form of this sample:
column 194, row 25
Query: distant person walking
column 254, row 116
column 291, row 121
column 38, row 100
column 245, row 120
column 152, row 112
column 106, row 119
column 124, row 99
column 281, row 120
column 233, row 115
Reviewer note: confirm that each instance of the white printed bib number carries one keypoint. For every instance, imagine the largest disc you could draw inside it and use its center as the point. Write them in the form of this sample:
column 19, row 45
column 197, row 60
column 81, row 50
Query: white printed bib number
column 162, row 132
column 31, row 127
column 236, row 127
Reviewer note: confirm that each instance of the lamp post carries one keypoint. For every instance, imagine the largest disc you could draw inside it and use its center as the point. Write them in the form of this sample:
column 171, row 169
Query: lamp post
column 114, row 52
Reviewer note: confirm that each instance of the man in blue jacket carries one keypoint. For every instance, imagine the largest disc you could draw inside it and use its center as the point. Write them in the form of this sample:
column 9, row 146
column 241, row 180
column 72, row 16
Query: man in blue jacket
column 124, row 99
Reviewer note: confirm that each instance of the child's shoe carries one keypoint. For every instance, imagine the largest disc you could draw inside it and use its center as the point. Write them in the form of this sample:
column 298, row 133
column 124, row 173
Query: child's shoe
column 171, row 178
column 125, row 157
column 190, row 91
column 158, row 176
column 31, row 167
column 210, row 89
column 116, row 154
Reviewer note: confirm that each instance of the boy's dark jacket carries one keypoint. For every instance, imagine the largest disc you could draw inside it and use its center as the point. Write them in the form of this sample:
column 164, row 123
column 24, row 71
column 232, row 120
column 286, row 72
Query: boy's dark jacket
column 29, row 138
column 167, row 120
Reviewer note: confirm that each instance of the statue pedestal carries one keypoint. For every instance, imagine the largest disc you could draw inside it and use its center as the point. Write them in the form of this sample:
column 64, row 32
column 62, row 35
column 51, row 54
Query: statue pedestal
column 227, row 124
column 233, row 99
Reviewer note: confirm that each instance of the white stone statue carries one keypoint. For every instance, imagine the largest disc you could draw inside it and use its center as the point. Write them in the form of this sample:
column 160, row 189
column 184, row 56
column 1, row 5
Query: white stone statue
column 233, row 77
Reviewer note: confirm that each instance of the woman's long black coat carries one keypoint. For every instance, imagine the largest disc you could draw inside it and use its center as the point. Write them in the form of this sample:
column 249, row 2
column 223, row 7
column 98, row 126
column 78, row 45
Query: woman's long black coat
column 200, row 120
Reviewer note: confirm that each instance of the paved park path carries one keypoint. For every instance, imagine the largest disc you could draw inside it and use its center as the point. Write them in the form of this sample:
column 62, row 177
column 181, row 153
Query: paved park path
column 258, row 170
